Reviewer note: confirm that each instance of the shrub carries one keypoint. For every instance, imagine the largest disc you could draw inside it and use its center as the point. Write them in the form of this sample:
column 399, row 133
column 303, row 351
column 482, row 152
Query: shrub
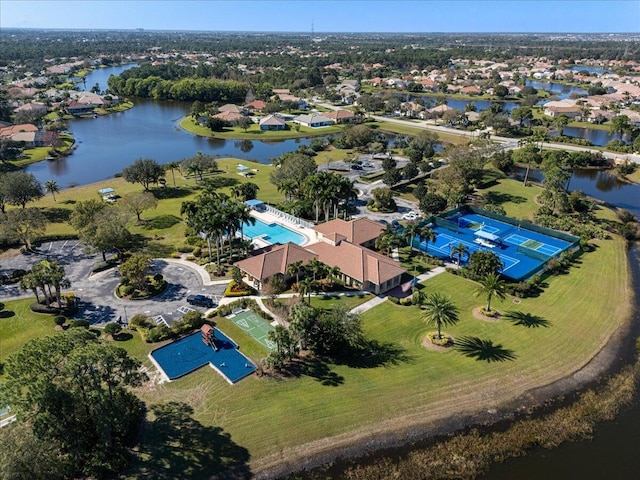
column 60, row 320
column 80, row 323
column 139, row 321
column 158, row 278
column 157, row 334
column 126, row 290
column 175, row 255
column 191, row 258
column 393, row 299
column 406, row 301
column 112, row 328
column 196, row 252
column 238, row 290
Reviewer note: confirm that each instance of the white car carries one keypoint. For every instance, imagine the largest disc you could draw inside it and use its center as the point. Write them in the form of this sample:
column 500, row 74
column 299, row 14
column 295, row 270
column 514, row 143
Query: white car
column 411, row 216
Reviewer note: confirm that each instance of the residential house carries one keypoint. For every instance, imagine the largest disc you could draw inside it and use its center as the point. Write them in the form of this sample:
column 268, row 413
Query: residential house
column 230, row 107
column 35, row 108
column 272, row 122
column 566, row 107
column 228, row 116
column 313, row 120
column 10, row 130
column 471, row 90
column 340, row 116
column 256, row 105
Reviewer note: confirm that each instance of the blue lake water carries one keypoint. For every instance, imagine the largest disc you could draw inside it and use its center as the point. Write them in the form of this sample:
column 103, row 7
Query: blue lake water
column 560, row 90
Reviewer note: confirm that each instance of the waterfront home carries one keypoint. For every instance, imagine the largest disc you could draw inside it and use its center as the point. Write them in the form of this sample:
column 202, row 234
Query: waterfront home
column 228, row 116
column 340, row 116
column 272, row 122
column 314, row 120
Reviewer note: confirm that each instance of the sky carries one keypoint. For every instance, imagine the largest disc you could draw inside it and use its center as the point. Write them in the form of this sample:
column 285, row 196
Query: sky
column 584, row 16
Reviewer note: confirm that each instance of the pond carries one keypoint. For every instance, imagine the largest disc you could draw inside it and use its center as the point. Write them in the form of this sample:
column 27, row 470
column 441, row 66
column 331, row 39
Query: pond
column 560, row 90
column 107, row 144
column 598, row 184
column 596, row 137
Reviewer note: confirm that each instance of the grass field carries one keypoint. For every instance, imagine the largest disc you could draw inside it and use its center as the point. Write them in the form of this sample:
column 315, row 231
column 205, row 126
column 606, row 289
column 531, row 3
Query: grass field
column 331, row 405
column 163, row 226
column 461, row 139
column 254, row 132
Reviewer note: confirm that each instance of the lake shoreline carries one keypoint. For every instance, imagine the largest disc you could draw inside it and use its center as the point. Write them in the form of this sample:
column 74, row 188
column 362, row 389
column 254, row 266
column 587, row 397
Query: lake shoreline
column 608, row 360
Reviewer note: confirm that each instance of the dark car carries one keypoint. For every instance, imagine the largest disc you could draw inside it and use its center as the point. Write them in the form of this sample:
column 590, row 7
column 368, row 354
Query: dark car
column 201, row 301
column 356, row 167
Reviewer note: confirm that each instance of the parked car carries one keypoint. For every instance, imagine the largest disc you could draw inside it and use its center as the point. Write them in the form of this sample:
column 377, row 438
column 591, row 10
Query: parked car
column 356, row 167
column 201, row 301
column 367, row 165
column 411, row 216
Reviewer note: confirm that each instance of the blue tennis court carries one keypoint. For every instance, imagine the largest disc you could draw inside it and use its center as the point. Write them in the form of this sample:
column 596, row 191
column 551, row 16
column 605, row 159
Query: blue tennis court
column 522, row 251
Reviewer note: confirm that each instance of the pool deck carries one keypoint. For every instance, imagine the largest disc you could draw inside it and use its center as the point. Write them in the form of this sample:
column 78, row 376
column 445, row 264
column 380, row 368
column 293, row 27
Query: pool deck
column 309, row 234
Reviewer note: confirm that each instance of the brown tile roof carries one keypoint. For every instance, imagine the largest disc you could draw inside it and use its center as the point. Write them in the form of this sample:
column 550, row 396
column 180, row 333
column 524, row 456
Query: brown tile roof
column 256, row 105
column 228, row 116
column 274, row 260
column 357, row 262
column 13, row 129
column 230, row 107
column 358, row 231
column 339, row 114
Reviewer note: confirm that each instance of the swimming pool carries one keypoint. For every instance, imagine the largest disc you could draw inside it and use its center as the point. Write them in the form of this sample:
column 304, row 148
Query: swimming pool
column 191, row 353
column 272, row 233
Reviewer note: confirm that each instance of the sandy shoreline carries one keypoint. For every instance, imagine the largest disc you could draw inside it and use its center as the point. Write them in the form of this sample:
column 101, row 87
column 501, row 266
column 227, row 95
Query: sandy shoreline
column 453, row 417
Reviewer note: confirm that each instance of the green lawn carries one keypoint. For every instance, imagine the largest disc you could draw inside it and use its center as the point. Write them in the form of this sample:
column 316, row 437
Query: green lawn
column 417, row 385
column 254, row 132
column 18, row 324
column 163, row 226
column 461, row 139
column 347, row 301
column 515, row 198
column 330, row 405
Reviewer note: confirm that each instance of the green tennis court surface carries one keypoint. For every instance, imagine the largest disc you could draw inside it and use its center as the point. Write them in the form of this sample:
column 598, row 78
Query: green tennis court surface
column 255, row 327
column 532, row 244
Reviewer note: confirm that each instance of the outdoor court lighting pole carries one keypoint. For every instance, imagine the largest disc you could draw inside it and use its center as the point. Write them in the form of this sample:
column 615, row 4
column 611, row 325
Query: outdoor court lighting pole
column 126, row 320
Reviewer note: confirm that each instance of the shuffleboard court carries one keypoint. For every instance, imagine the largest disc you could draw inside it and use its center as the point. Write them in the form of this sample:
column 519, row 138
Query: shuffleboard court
column 255, row 327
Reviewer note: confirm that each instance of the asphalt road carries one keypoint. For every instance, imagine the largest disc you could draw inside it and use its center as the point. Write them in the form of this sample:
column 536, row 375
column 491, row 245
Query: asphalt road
column 98, row 302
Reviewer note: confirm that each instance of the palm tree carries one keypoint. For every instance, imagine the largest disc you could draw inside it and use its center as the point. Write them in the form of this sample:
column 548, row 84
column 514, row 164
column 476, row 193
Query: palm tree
column 409, row 233
column 294, row 269
column 173, row 166
column 459, row 251
column 491, row 286
column 52, row 187
column 304, row 288
column 243, row 213
column 440, row 310
column 426, row 234
column 333, row 273
column 316, row 266
column 387, row 241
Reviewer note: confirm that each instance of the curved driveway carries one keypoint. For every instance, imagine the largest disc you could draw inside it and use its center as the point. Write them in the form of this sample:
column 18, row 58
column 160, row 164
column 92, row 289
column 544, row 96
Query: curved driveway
column 98, row 303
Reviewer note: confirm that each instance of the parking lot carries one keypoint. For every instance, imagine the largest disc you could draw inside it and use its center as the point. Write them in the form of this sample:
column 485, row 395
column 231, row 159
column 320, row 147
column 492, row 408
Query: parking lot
column 96, row 293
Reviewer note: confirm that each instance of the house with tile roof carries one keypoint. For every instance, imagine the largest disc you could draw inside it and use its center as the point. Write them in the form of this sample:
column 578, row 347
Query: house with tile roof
column 272, row 122
column 314, row 120
column 340, row 116
column 340, row 244
column 272, row 260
